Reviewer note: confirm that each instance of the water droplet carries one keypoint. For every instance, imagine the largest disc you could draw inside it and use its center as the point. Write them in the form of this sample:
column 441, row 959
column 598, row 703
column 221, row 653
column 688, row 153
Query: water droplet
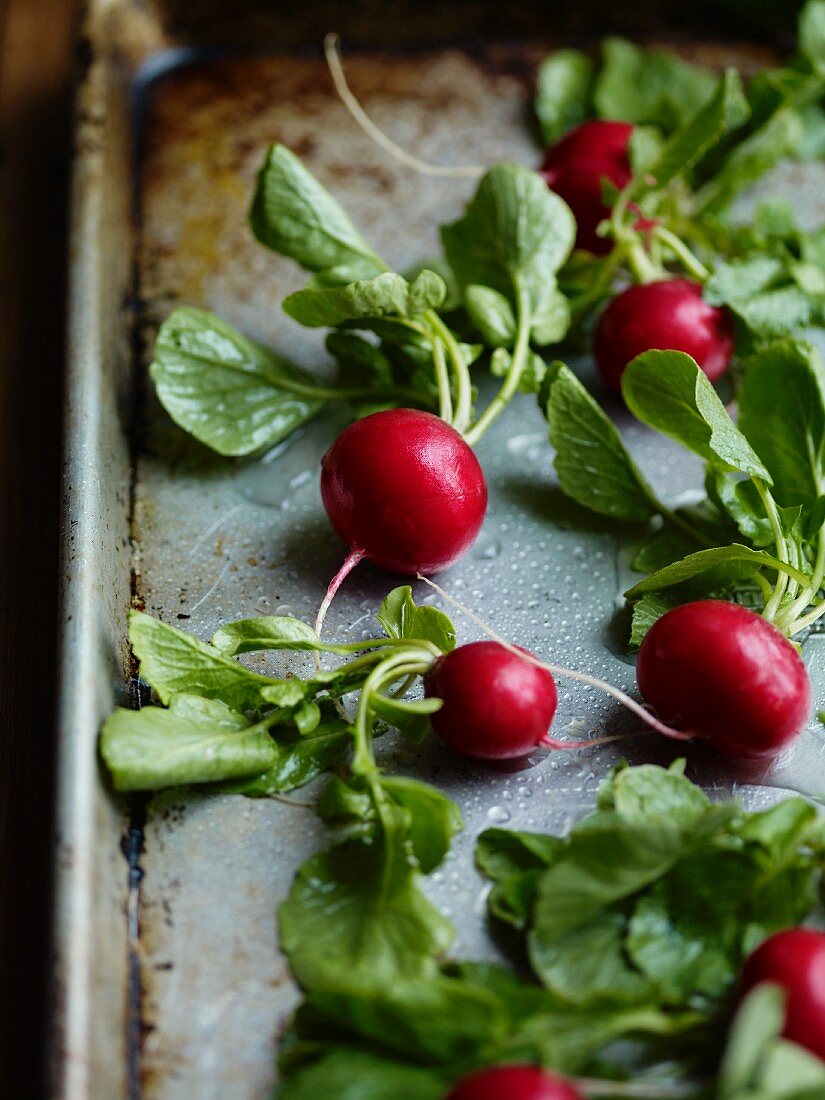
column 498, row 814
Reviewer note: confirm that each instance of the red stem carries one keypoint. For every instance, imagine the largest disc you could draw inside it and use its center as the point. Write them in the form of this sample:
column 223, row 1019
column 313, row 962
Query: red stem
column 350, row 561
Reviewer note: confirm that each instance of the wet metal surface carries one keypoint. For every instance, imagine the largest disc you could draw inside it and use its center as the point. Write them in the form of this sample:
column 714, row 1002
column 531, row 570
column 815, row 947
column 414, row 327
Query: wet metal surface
column 215, row 541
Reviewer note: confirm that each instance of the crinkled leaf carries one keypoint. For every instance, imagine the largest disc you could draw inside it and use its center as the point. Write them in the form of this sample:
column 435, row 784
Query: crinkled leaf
column 229, row 393
column 384, row 295
column 668, row 391
column 293, row 214
column 195, row 741
column 591, row 461
column 646, row 611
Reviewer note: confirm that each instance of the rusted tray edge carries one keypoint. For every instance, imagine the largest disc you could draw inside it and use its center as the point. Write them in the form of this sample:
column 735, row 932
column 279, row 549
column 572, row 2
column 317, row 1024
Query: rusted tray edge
column 88, row 1047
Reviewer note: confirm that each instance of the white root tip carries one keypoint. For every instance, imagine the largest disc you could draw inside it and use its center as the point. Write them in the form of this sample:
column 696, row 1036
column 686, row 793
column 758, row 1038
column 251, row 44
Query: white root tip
column 332, row 53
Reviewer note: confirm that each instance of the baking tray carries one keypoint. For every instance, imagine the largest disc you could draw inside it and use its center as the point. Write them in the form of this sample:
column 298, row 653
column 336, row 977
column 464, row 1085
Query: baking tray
column 168, row 982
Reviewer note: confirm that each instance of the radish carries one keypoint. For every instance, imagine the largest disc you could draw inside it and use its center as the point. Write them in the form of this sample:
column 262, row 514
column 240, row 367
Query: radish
column 514, row 1083
column 497, row 706
column 404, row 491
column 795, row 960
column 727, row 676
column 576, row 167
column 669, row 315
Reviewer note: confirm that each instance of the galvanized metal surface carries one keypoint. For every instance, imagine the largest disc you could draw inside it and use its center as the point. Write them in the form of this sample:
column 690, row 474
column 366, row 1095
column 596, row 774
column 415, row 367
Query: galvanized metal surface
column 213, row 541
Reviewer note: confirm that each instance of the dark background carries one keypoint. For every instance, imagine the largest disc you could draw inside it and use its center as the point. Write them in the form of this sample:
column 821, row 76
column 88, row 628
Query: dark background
column 37, row 54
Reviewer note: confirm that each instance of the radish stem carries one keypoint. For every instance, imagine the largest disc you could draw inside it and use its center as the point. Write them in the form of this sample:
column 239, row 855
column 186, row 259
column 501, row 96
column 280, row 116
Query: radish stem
column 332, row 53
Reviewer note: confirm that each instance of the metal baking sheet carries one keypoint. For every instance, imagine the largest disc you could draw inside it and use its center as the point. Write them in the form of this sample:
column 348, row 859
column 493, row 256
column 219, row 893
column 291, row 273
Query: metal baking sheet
column 169, row 981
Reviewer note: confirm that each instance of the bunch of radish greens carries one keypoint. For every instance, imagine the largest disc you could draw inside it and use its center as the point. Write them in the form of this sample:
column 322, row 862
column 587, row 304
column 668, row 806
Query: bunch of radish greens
column 759, row 531
column 636, row 925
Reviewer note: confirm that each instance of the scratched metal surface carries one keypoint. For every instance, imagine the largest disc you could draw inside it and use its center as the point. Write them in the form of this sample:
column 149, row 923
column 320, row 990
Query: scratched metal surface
column 214, row 540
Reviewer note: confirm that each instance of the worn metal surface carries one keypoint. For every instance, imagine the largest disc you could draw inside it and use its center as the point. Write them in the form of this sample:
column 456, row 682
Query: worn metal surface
column 213, row 541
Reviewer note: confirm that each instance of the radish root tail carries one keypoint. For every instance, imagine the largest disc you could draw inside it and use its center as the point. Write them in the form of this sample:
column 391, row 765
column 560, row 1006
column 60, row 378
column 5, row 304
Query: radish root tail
column 350, row 561
column 332, row 53
column 566, row 673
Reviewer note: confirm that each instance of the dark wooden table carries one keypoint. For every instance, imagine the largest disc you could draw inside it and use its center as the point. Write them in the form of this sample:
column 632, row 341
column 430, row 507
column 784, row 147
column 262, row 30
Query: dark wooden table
column 35, row 79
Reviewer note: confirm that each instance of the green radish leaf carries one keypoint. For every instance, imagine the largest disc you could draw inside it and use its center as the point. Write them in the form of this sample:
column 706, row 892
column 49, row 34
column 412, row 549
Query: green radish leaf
column 386, row 294
column 353, row 1074
column 726, row 109
column 668, row 391
column 740, row 279
column 433, row 818
column 514, row 237
column 552, row 323
column 360, row 363
column 267, row 632
column 196, row 741
column 782, row 413
column 428, row 290
column 401, row 618
column 356, row 918
column 501, row 853
column 592, row 464
column 176, row 663
column 562, row 93
column 229, row 393
column 741, row 501
column 647, row 611
column 775, row 313
column 812, row 34
column 758, row 1023
column 300, row 759
column 717, row 567
column 649, row 87
column 780, row 136
column 493, row 316
column 411, row 717
column 293, row 214
column 439, row 1021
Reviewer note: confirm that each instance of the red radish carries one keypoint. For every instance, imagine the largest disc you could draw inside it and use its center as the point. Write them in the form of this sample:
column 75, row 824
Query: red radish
column 726, row 675
column 404, row 491
column 795, row 960
column 514, row 1083
column 497, row 705
column 404, row 488
column 575, row 168
column 667, row 315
